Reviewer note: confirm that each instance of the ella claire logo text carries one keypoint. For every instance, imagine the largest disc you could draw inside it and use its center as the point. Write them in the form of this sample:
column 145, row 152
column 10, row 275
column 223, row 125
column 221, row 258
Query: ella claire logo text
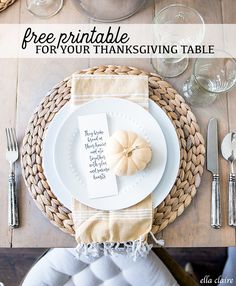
column 219, row 280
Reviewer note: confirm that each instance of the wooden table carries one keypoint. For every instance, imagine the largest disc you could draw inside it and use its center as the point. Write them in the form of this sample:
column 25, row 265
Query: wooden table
column 25, row 82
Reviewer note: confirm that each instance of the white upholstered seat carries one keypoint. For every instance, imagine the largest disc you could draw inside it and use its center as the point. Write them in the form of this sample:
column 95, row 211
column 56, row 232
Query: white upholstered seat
column 61, row 267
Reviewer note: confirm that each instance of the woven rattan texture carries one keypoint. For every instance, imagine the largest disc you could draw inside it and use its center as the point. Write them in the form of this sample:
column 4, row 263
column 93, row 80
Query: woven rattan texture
column 191, row 146
column 5, row 3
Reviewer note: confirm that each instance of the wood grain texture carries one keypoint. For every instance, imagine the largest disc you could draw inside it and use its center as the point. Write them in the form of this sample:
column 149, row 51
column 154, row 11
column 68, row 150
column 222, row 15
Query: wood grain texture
column 7, row 119
column 195, row 223
column 228, row 14
column 228, row 11
column 209, row 9
column 15, row 263
column 7, row 111
column 36, row 77
column 67, row 15
column 11, row 14
column 36, row 230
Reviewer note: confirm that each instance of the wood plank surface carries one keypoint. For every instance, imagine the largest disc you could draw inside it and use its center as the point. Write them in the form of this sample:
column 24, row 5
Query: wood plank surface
column 8, row 95
column 229, row 17
column 33, row 78
column 36, row 230
column 11, row 15
column 36, row 77
column 15, row 264
column 194, row 224
column 7, row 111
column 210, row 10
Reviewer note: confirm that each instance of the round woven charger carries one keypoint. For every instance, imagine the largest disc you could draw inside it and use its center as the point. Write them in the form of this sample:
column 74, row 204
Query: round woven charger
column 5, row 3
column 192, row 149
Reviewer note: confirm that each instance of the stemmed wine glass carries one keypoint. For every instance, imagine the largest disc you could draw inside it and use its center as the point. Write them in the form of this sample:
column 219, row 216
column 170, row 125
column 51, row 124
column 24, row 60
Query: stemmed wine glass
column 177, row 14
column 44, row 8
column 210, row 77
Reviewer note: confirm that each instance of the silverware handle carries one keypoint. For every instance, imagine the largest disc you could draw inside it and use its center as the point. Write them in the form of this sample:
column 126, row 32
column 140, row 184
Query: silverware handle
column 215, row 202
column 232, row 200
column 13, row 218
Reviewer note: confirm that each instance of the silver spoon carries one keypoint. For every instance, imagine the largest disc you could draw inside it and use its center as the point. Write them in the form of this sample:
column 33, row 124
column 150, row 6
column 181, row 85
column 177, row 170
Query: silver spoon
column 228, row 149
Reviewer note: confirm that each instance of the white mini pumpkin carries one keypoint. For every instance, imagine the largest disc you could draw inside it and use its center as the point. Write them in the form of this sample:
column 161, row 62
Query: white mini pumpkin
column 127, row 153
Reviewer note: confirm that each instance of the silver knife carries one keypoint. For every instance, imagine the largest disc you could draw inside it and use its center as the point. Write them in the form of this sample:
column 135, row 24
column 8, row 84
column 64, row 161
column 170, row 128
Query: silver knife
column 212, row 166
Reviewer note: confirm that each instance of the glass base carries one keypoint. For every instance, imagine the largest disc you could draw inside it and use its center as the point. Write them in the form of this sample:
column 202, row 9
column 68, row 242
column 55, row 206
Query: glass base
column 108, row 11
column 196, row 97
column 44, row 8
column 169, row 68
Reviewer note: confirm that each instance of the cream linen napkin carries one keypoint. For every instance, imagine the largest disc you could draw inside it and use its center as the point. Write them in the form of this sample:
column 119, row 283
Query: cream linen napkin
column 107, row 232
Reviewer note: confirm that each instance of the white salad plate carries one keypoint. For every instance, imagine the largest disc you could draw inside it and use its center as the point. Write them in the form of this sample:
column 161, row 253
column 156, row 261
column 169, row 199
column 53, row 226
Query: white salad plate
column 165, row 183
column 121, row 115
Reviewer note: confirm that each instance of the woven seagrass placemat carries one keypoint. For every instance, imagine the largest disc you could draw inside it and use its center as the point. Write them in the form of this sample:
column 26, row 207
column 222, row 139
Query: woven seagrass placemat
column 5, row 3
column 190, row 139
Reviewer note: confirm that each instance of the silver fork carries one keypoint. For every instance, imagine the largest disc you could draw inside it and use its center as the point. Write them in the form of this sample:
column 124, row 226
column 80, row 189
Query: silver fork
column 12, row 155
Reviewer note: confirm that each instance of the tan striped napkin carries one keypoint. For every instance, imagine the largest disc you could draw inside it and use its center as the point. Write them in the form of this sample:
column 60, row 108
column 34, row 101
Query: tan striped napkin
column 107, row 232
column 88, row 87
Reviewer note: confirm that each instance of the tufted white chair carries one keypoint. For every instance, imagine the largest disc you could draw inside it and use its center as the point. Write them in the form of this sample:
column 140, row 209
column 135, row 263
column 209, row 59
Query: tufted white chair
column 61, row 267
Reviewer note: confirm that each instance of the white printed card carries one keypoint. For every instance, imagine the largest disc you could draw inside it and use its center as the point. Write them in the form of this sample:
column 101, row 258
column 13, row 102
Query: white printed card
column 94, row 133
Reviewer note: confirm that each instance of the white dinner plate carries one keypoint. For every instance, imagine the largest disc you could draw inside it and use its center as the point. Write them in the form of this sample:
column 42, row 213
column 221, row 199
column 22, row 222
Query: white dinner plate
column 121, row 115
column 168, row 178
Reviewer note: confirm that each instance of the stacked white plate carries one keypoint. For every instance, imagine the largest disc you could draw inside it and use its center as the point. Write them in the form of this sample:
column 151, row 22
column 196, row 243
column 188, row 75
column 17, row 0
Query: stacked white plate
column 63, row 165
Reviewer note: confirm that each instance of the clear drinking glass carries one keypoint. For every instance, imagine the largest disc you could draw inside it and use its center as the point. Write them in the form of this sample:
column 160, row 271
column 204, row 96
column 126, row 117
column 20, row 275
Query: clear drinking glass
column 44, row 8
column 210, row 77
column 109, row 10
column 177, row 14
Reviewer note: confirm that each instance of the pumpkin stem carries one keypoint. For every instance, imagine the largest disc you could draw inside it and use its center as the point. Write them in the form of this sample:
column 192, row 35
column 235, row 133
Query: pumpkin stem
column 128, row 151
